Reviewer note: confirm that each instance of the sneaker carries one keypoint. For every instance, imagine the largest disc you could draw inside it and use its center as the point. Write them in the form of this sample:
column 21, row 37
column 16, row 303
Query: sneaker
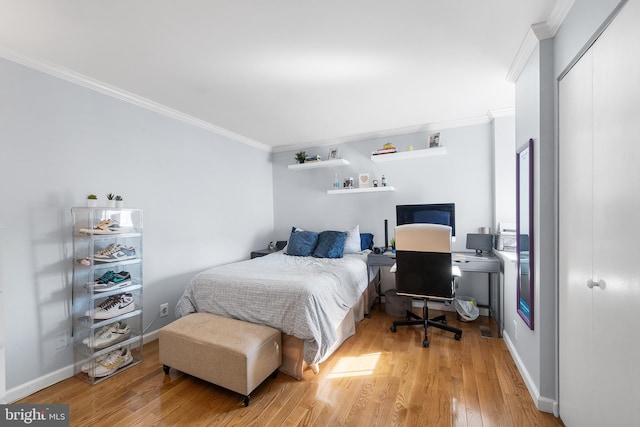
column 109, row 335
column 106, row 226
column 114, row 252
column 110, row 280
column 110, row 364
column 113, row 306
column 90, row 364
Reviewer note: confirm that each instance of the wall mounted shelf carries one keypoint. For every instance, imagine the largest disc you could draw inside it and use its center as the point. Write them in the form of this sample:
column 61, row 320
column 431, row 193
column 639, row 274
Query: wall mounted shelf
column 361, row 190
column 404, row 155
column 320, row 164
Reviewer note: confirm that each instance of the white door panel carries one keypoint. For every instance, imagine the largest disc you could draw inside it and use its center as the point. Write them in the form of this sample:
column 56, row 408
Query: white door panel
column 616, row 82
column 575, row 242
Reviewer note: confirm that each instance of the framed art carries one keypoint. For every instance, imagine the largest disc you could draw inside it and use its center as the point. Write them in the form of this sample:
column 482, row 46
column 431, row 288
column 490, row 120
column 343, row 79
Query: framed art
column 334, row 153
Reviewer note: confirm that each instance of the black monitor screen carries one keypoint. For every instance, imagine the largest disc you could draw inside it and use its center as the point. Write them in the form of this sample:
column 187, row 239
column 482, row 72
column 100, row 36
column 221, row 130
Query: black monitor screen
column 439, row 213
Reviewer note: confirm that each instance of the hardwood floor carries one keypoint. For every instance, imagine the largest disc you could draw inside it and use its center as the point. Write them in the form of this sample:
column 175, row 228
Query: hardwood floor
column 377, row 378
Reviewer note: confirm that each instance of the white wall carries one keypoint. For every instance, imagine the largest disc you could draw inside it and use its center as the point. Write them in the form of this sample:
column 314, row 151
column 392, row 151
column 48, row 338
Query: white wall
column 463, row 176
column 2, row 346
column 207, row 200
column 504, row 131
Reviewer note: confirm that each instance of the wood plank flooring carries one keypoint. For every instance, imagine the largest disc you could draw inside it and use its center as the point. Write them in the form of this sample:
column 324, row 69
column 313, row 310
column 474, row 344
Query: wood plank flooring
column 377, row 378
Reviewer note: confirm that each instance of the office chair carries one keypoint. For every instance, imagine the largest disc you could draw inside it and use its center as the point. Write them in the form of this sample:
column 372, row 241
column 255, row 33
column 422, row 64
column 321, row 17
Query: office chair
column 423, row 270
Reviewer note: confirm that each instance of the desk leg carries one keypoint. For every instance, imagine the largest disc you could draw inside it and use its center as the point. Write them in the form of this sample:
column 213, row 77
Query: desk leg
column 495, row 304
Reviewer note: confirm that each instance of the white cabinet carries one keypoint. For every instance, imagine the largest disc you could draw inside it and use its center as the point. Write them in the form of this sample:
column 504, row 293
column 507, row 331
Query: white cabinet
column 106, row 291
column 599, row 231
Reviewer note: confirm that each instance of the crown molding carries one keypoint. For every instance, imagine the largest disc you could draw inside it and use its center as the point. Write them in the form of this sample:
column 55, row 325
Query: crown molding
column 541, row 31
column 115, row 92
column 505, row 112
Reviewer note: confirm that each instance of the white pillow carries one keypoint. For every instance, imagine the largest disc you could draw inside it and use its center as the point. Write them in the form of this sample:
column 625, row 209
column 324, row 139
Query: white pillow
column 352, row 244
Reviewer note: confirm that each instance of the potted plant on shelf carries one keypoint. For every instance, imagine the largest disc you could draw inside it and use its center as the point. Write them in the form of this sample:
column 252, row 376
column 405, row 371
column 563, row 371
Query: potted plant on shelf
column 92, row 201
column 111, row 200
column 119, row 202
column 300, row 156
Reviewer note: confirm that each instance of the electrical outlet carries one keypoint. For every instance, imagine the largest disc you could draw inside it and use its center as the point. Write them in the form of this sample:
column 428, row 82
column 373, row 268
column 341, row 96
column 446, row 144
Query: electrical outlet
column 61, row 340
column 164, row 309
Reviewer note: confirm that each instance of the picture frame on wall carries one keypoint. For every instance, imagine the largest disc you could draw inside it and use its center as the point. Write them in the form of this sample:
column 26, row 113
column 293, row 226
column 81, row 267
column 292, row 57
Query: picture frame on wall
column 334, row 153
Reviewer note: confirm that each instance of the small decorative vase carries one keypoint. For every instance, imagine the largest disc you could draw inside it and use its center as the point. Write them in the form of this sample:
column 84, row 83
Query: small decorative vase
column 92, row 203
column 111, row 203
column 119, row 203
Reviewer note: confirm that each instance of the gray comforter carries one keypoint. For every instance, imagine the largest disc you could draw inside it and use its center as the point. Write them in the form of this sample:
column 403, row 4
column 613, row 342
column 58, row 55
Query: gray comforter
column 301, row 296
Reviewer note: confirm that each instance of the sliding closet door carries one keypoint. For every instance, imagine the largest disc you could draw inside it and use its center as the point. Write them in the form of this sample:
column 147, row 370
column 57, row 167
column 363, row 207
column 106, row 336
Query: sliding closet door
column 616, row 218
column 575, row 243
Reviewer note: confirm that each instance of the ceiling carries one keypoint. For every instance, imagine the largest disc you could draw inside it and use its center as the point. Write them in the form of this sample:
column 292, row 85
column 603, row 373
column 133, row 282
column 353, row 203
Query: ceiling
column 284, row 73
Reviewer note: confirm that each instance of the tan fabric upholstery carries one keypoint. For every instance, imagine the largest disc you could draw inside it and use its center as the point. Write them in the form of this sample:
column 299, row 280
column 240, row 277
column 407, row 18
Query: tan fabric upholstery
column 231, row 353
column 423, row 238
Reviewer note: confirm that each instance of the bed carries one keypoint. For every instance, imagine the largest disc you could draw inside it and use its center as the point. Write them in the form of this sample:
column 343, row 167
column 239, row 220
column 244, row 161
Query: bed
column 315, row 302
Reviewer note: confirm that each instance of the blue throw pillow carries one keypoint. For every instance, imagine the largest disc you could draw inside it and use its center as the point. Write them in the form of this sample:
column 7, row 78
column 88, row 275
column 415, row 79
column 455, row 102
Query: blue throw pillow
column 302, row 243
column 330, row 244
column 366, row 241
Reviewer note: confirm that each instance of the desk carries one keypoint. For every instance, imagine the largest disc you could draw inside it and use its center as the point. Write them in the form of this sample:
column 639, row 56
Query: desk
column 467, row 262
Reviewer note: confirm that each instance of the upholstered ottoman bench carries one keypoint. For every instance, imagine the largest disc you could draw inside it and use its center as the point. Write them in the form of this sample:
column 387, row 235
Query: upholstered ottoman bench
column 230, row 353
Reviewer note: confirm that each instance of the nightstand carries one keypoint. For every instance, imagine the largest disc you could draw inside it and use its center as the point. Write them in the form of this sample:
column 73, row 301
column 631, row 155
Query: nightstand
column 262, row 252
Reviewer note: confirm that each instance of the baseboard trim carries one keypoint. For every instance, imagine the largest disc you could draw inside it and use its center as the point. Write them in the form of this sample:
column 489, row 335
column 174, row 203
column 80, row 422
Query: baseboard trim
column 542, row 403
column 40, row 383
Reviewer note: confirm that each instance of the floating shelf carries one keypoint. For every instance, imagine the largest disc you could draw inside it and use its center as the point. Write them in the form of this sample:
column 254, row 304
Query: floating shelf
column 320, row 164
column 404, row 155
column 361, row 190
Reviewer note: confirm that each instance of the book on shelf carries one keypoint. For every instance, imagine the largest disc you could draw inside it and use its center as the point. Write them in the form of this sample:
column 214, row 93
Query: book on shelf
column 384, row 151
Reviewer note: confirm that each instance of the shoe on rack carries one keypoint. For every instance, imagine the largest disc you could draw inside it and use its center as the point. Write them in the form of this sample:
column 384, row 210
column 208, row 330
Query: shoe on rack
column 109, row 335
column 86, row 367
column 106, row 226
column 110, row 364
column 110, row 280
column 113, row 306
column 114, row 252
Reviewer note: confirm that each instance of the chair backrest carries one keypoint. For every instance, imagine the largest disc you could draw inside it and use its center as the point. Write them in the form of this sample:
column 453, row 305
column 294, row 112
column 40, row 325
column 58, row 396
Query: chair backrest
column 423, row 259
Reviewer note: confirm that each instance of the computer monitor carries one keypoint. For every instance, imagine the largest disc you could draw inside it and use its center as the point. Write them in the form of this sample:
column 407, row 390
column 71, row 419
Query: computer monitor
column 435, row 213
